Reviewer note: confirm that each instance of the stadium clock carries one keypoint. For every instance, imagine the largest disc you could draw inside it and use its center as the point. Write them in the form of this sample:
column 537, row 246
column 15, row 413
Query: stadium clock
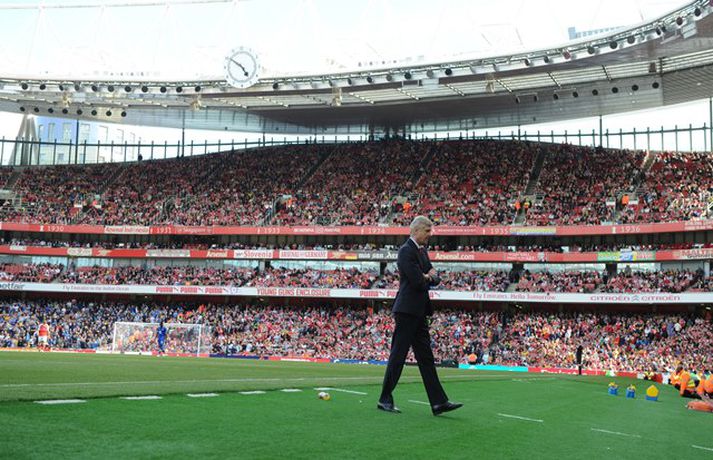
column 242, row 68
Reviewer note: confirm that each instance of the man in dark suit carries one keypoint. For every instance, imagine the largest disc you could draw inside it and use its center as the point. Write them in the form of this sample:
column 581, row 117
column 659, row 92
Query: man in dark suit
column 411, row 309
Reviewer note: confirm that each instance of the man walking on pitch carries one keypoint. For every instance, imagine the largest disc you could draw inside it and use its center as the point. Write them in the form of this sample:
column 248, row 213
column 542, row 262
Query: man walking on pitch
column 411, row 308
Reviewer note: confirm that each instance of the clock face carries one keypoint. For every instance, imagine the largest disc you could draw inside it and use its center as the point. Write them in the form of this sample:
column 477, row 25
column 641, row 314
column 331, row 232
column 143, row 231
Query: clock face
column 242, row 68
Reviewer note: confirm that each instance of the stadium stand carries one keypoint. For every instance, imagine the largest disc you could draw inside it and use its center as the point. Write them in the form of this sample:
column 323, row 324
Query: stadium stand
column 468, row 183
column 628, row 281
column 617, row 341
column 577, row 182
column 678, row 187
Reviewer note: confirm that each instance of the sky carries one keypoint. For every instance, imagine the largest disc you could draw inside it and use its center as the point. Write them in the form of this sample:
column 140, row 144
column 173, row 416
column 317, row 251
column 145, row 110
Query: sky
column 181, row 39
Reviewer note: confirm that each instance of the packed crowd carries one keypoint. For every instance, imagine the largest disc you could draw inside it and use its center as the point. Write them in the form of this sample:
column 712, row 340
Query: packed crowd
column 658, row 281
column 471, row 184
column 626, row 281
column 186, row 275
column 455, row 280
column 57, row 194
column 348, row 278
column 189, row 275
column 626, row 342
column 355, row 185
column 582, row 282
column 38, row 273
column 679, row 186
column 480, row 280
column 617, row 341
column 245, row 187
column 577, row 182
column 143, row 192
column 386, row 182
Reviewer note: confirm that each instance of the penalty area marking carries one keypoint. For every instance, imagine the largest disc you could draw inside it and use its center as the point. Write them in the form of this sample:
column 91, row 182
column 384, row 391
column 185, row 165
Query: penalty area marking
column 290, row 390
column 256, row 392
column 528, row 419
column 60, row 401
column 201, row 395
column 616, row 433
column 418, row 402
column 701, row 447
column 141, row 398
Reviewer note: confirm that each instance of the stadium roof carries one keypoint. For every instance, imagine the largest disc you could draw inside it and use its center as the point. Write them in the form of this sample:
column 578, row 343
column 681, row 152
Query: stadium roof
column 663, row 60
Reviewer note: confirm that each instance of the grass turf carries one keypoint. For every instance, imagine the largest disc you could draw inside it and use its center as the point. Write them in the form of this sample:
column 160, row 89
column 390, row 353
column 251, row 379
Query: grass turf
column 577, row 416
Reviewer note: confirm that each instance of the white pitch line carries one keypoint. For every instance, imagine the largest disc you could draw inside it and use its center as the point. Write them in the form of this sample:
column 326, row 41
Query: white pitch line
column 61, row 401
column 616, row 433
column 405, row 379
column 418, row 402
column 522, row 418
column 256, row 392
column 141, row 398
column 290, row 390
column 701, row 447
column 341, row 390
column 202, row 395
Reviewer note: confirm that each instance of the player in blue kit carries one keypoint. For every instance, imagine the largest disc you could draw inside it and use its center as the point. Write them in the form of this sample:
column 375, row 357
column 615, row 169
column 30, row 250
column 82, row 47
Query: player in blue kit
column 161, row 336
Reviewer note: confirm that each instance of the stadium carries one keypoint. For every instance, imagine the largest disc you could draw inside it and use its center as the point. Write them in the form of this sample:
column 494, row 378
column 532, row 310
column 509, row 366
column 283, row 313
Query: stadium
column 204, row 206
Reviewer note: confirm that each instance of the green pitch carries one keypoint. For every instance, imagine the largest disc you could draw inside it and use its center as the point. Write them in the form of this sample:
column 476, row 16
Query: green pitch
column 506, row 415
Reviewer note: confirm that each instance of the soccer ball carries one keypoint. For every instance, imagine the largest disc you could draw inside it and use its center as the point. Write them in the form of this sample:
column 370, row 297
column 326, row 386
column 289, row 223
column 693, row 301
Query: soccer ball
column 324, row 396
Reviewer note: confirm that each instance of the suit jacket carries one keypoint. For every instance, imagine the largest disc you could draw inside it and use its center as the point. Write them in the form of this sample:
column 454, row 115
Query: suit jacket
column 412, row 297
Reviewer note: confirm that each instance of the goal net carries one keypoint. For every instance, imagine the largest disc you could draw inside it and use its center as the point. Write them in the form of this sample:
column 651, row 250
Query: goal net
column 142, row 338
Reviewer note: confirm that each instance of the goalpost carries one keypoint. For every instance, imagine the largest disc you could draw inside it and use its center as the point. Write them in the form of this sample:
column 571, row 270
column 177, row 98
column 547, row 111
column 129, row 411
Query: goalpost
column 141, row 338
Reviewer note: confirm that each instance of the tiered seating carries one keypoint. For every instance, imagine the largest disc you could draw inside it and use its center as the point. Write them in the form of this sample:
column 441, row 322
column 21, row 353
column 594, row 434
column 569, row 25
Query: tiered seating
column 57, row 194
column 454, row 183
column 355, row 185
column 577, row 182
column 658, row 281
column 353, row 278
column 679, row 186
column 471, row 183
column 559, row 282
column 38, row 273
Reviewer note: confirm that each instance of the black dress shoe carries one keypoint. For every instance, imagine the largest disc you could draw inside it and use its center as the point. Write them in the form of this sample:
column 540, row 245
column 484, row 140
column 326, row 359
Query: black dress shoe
column 447, row 406
column 388, row 407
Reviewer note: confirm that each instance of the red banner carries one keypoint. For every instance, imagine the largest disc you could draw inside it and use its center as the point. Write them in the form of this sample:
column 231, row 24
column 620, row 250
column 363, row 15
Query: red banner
column 571, row 230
